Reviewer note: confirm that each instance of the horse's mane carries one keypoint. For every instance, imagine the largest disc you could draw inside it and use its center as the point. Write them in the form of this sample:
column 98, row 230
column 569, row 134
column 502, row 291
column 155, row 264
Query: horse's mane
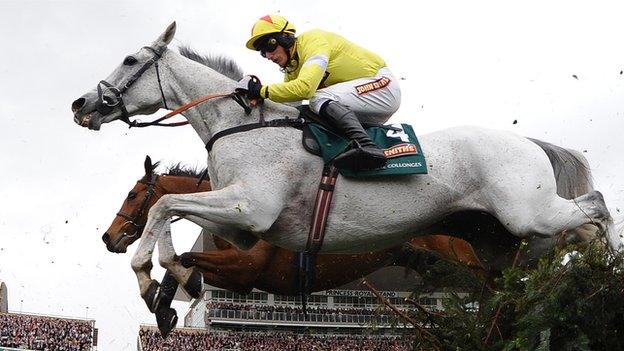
column 180, row 170
column 219, row 63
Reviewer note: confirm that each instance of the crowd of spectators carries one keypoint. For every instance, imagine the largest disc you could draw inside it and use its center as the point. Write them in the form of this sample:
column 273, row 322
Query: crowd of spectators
column 45, row 333
column 181, row 340
column 294, row 309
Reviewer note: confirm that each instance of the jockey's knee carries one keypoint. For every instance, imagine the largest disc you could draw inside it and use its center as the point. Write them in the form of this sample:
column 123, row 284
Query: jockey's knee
column 319, row 101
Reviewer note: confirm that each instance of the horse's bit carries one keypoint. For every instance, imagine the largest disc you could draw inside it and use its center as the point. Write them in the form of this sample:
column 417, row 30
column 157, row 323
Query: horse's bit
column 106, row 104
column 151, row 190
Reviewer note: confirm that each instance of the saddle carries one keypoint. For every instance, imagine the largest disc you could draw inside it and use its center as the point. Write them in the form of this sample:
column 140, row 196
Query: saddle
column 399, row 143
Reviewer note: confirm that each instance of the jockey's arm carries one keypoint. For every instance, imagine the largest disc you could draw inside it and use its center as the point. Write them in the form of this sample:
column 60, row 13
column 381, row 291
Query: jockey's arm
column 316, row 58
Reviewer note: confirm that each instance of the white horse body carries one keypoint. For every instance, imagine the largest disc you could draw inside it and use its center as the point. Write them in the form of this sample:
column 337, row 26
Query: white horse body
column 265, row 182
column 463, row 175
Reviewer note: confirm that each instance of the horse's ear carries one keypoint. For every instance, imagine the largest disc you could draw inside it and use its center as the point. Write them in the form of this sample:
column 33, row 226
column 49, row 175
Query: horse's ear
column 165, row 38
column 148, row 165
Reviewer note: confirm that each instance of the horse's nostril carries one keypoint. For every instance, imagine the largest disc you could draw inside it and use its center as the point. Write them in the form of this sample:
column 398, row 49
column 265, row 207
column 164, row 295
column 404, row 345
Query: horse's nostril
column 78, row 104
column 106, row 238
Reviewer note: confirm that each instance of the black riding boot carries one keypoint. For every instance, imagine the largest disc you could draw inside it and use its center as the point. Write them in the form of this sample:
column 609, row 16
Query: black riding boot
column 365, row 155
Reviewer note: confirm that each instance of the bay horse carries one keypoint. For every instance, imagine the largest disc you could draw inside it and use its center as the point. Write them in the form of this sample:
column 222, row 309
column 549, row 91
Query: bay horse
column 264, row 182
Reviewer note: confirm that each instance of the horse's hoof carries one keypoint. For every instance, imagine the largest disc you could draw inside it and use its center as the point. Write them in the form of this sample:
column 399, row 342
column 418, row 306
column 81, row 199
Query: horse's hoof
column 186, row 260
column 152, row 296
column 194, row 284
column 166, row 318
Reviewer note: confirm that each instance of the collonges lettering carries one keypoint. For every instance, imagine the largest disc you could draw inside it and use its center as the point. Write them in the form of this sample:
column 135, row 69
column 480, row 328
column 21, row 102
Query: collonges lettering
column 404, row 165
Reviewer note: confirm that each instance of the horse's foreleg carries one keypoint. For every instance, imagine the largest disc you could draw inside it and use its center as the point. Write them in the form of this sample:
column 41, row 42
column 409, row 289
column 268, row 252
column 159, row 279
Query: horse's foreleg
column 226, row 269
column 190, row 278
column 233, row 269
column 231, row 206
column 225, row 237
column 142, row 260
column 167, row 317
column 233, row 213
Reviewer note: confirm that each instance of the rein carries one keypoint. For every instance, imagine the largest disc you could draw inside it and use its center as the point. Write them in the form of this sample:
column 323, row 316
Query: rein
column 177, row 111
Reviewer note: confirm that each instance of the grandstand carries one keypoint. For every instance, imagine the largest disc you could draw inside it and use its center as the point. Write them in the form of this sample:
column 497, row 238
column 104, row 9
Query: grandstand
column 345, row 309
column 199, row 339
column 21, row 331
column 38, row 332
column 335, row 319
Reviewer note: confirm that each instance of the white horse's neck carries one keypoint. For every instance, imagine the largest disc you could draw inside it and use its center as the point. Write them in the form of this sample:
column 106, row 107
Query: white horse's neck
column 188, row 80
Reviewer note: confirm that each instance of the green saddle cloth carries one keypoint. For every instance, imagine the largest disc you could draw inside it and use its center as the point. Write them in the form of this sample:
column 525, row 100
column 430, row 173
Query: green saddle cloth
column 401, row 147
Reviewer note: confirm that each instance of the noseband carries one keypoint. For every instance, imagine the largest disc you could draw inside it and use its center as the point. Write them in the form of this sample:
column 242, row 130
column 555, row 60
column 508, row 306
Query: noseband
column 151, row 190
column 106, row 104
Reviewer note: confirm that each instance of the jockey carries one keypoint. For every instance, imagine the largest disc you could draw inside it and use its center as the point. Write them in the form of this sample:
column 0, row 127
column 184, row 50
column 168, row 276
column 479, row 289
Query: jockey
column 345, row 84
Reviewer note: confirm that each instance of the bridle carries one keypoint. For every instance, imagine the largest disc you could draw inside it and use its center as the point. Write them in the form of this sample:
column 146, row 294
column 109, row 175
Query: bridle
column 105, row 104
column 151, row 190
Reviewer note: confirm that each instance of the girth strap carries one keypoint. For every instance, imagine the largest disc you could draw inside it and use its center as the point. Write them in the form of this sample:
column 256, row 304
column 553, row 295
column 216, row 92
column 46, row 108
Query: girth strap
column 307, row 259
column 285, row 122
column 321, row 209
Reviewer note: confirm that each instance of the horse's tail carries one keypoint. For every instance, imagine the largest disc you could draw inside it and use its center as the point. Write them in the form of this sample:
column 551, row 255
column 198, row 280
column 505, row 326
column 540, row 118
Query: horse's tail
column 571, row 169
column 574, row 179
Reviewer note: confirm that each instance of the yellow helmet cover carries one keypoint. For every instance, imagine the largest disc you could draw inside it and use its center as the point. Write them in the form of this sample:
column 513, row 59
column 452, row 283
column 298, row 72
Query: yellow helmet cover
column 267, row 25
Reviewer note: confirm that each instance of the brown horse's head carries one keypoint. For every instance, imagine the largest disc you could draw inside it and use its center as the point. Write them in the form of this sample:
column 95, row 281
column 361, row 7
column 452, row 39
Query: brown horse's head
column 128, row 225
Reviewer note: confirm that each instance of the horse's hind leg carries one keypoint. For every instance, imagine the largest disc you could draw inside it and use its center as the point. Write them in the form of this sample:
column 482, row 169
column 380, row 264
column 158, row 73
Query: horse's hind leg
column 556, row 214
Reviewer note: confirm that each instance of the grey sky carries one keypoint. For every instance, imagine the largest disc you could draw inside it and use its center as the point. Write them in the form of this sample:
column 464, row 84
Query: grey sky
column 483, row 63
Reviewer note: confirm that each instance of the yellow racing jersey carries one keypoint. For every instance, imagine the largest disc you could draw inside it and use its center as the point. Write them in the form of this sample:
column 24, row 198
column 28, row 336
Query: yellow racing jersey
column 322, row 59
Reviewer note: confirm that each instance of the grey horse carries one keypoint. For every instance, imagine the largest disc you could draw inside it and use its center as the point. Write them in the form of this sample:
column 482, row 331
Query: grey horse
column 265, row 182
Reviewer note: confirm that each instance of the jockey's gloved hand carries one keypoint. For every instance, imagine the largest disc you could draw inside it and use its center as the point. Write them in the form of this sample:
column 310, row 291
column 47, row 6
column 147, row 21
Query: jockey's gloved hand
column 250, row 86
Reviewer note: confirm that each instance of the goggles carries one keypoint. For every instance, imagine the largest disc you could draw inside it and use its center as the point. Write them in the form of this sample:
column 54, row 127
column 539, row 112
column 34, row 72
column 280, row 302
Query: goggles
column 265, row 45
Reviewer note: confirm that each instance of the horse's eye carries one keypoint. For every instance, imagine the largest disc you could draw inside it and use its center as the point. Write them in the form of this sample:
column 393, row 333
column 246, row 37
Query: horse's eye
column 132, row 195
column 129, row 61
